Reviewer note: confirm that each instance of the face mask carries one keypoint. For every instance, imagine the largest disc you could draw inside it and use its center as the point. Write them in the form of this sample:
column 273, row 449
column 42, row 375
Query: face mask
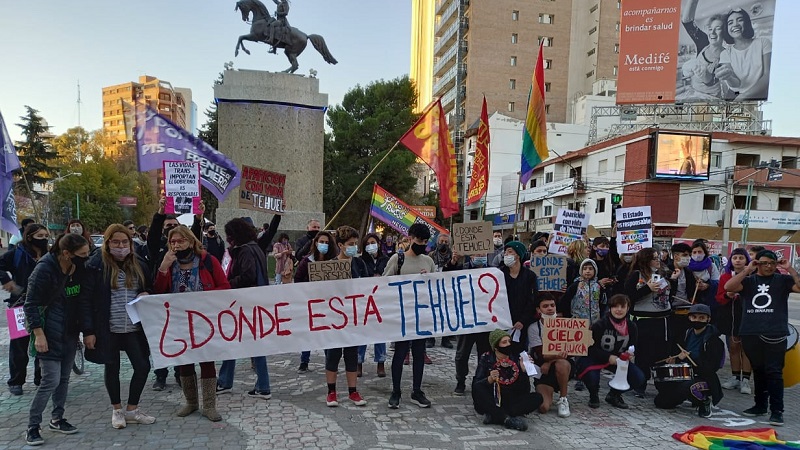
column 212, row 233
column 602, row 252
column 76, row 230
column 322, row 248
column 551, row 316
column 698, row 258
column 119, row 253
column 167, row 228
column 504, row 350
column 443, row 248
column 418, row 249
column 312, row 233
column 698, row 325
column 683, row 262
column 509, row 260
column 184, row 256
column 79, row 261
column 41, row 244
column 479, row 261
column 351, row 251
column 372, row 249
column 627, row 258
column 497, row 242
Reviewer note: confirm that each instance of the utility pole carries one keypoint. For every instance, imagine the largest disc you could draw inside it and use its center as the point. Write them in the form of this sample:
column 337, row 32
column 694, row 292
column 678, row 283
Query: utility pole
column 746, row 224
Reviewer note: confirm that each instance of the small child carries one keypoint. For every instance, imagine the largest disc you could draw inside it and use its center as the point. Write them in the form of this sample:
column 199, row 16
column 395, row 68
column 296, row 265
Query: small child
column 556, row 369
column 582, row 298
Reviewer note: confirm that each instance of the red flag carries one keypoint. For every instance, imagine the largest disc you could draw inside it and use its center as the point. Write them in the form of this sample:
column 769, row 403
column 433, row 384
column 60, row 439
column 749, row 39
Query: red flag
column 430, row 140
column 479, row 181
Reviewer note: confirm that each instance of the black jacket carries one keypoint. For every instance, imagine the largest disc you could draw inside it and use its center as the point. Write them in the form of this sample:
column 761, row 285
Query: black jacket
column 97, row 288
column 265, row 240
column 521, row 297
column 247, row 260
column 20, row 272
column 598, row 353
column 46, row 307
column 374, row 266
column 521, row 387
column 712, row 353
column 214, row 246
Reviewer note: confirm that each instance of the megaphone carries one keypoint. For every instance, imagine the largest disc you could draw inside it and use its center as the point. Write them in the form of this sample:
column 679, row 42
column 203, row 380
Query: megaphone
column 620, row 380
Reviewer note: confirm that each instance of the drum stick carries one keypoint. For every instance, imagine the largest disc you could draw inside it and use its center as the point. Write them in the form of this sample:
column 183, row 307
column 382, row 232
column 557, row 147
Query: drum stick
column 665, row 359
column 687, row 356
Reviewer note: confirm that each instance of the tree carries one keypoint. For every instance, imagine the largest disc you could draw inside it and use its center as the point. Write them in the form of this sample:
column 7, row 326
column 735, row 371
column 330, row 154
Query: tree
column 36, row 155
column 364, row 128
column 77, row 145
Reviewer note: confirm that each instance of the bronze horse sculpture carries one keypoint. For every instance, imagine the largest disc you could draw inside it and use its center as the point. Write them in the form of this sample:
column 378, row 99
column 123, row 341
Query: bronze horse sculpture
column 293, row 41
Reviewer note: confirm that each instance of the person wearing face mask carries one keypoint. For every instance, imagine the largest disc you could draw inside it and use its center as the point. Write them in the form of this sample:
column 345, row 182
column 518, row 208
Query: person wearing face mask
column 728, row 317
column 706, row 275
column 704, row 350
column 322, row 250
column 682, row 288
column 282, row 252
column 605, row 256
column 521, row 288
column 446, row 260
column 556, row 369
column 186, row 267
column 115, row 276
column 375, row 262
column 54, row 322
column 305, row 245
column 213, row 242
column 389, row 246
column 501, row 388
column 624, row 269
column 75, row 226
column 496, row 257
column 19, row 261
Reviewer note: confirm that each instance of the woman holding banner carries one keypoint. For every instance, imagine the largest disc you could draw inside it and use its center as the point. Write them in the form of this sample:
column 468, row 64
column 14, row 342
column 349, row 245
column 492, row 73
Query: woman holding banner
column 186, row 267
column 375, row 261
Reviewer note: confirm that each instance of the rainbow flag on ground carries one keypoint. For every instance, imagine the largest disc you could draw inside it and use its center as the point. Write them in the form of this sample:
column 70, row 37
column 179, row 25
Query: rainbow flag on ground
column 713, row 438
column 394, row 212
column 534, row 135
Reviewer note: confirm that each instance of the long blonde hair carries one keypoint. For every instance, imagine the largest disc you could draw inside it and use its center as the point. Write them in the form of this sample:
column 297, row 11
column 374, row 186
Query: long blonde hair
column 577, row 250
column 130, row 265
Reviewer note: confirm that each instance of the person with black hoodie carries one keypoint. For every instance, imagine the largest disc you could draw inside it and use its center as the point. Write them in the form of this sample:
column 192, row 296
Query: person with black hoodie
column 704, row 350
column 521, row 288
column 305, row 245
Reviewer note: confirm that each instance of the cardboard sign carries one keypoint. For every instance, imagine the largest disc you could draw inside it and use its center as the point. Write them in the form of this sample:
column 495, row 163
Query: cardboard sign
column 262, row 190
column 182, row 187
column 474, row 238
column 268, row 320
column 562, row 334
column 16, row 322
column 334, row 269
column 634, row 229
column 551, row 272
column 570, row 226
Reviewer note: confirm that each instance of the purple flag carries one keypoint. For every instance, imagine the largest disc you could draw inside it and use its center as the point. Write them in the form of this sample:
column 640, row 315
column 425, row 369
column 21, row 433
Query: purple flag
column 8, row 164
column 159, row 140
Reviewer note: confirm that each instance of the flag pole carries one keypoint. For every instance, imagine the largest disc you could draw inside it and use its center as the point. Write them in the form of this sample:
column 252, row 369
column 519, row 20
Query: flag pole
column 366, row 177
column 516, row 208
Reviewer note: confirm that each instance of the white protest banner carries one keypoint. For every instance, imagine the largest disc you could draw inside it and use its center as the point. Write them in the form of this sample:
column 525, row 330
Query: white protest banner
column 634, row 229
column 474, row 238
column 566, row 335
column 182, row 187
column 551, row 272
column 570, row 226
column 238, row 323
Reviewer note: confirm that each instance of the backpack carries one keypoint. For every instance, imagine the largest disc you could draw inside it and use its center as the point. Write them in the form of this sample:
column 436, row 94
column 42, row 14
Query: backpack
column 401, row 258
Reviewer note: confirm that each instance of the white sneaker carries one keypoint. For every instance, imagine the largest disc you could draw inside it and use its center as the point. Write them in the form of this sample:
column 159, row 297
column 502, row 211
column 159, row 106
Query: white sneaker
column 563, row 407
column 118, row 419
column 137, row 416
column 731, row 383
column 744, row 388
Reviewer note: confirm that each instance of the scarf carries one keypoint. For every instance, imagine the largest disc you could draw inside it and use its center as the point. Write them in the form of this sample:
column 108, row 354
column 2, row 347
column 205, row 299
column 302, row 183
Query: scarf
column 190, row 283
column 622, row 327
column 695, row 266
column 442, row 259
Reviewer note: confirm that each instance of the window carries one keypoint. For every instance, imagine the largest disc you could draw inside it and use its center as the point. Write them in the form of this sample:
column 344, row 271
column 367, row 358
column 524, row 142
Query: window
column 514, row 38
column 602, row 166
column 592, row 30
column 515, row 15
column 548, row 210
column 600, row 206
column 548, row 178
column 546, row 18
column 740, row 201
column 512, row 84
column 786, row 204
column 716, row 160
column 616, row 70
column 617, row 26
column 510, row 106
column 547, row 109
column 548, row 63
column 591, row 52
column 590, row 74
column 513, row 61
column 616, row 48
column 619, row 4
column 473, row 214
column 711, row 202
column 788, row 162
column 746, row 159
column 546, row 41
column 531, row 214
column 593, row 8
column 533, row 183
column 547, row 87
column 619, row 162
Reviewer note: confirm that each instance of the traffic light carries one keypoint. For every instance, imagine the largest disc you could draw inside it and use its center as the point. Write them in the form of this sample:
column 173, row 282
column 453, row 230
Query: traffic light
column 616, row 199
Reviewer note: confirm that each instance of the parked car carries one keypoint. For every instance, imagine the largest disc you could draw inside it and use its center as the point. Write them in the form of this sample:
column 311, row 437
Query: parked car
column 98, row 240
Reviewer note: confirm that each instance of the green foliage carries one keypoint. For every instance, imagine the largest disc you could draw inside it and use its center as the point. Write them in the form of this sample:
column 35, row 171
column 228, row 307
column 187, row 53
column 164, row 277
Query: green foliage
column 77, row 145
column 36, row 155
column 364, row 128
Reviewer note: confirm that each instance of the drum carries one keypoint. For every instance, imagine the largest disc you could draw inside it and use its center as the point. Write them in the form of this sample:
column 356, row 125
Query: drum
column 791, row 363
column 666, row 373
column 681, row 310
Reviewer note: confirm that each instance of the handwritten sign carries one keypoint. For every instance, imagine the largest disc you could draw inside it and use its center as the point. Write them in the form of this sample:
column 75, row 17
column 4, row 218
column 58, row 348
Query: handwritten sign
column 16, row 322
column 634, row 229
column 262, row 190
column 182, row 187
column 562, row 334
column 570, row 226
column 334, row 269
column 474, row 238
column 239, row 323
column 551, row 272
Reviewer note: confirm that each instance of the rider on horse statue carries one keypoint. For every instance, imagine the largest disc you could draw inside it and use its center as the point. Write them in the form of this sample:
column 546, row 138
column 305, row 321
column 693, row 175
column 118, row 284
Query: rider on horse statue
column 280, row 22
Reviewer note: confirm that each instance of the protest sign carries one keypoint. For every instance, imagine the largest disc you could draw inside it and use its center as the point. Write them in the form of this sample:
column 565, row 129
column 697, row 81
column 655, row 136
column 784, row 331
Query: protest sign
column 634, row 229
column 474, row 238
column 16, row 322
column 570, row 226
column 262, row 190
column 335, row 269
column 429, row 212
column 397, row 214
column 239, row 323
column 551, row 272
column 182, row 187
column 567, row 335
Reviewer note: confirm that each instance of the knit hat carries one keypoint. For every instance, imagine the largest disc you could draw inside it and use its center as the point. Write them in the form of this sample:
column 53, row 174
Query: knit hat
column 495, row 337
column 518, row 247
column 590, row 262
column 700, row 309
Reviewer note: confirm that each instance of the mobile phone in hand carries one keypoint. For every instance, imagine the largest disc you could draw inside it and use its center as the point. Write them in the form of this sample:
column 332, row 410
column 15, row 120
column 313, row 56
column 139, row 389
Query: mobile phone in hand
column 655, row 278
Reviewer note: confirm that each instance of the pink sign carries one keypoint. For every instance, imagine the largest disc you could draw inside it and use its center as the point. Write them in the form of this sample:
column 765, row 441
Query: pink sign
column 16, row 322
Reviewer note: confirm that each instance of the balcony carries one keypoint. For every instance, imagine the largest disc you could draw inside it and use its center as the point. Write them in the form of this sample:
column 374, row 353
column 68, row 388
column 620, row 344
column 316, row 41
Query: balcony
column 446, row 18
column 443, row 3
column 742, row 175
column 445, row 39
column 552, row 190
column 448, row 100
column 445, row 82
column 445, row 61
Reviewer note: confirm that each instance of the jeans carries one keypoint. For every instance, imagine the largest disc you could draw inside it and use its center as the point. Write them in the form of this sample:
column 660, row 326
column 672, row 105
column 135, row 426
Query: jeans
column 278, row 279
column 767, row 360
column 636, row 378
column 55, row 383
column 380, row 353
column 418, row 362
column 135, row 346
column 463, row 349
column 225, row 379
column 18, row 362
column 305, row 357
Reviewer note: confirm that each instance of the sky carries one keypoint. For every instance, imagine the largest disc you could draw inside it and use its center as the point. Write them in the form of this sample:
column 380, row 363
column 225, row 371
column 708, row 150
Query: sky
column 48, row 46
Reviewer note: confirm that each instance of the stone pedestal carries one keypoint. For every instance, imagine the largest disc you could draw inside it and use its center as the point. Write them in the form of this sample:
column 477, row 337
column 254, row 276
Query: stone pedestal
column 274, row 121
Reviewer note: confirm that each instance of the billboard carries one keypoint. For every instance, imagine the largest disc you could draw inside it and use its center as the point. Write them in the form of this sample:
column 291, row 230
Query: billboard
column 684, row 51
column 685, row 156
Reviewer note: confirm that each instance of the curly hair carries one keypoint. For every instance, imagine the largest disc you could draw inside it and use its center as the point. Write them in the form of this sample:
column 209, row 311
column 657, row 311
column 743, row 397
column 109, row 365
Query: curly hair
column 239, row 231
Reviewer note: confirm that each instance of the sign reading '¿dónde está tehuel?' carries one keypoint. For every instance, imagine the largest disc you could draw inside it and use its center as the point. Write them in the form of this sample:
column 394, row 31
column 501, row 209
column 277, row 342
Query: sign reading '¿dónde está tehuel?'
column 262, row 190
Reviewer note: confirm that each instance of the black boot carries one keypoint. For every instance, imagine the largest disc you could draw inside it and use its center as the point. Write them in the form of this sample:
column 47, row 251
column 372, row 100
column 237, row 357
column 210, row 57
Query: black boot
column 614, row 398
column 594, row 399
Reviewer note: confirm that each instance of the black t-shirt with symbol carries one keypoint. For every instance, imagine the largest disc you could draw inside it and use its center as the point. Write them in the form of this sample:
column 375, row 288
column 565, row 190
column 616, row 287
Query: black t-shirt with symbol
column 765, row 305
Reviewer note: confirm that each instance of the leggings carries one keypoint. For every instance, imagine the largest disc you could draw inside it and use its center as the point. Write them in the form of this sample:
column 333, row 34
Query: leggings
column 134, row 344
column 418, row 364
column 207, row 370
column 334, row 355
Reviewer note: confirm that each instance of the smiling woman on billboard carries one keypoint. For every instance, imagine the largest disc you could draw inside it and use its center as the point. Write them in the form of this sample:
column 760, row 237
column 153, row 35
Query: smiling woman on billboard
column 744, row 65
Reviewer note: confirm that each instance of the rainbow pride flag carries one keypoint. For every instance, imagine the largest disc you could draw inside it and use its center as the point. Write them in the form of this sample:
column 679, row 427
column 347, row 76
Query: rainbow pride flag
column 534, row 135
column 712, row 438
column 394, row 212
